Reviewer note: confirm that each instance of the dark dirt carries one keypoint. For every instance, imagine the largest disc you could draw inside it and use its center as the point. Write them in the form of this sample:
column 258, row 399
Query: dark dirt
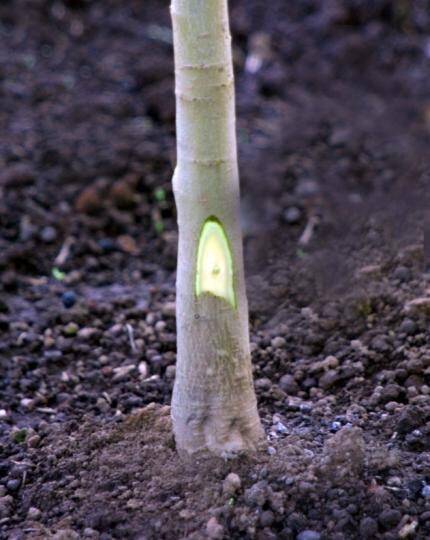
column 334, row 130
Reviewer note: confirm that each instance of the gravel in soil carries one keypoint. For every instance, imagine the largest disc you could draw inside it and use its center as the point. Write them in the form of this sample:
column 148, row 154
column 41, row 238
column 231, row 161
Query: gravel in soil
column 334, row 129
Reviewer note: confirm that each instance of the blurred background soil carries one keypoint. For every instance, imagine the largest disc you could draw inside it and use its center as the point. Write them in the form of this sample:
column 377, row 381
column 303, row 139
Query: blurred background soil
column 334, row 130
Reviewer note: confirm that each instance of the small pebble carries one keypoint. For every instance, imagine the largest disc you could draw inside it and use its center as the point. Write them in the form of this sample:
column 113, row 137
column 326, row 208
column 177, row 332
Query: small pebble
column 102, row 405
column 425, row 492
column 335, row 426
column 143, row 369
column 214, row 530
column 289, row 385
column 87, row 332
column 122, row 373
column 48, row 234
column 408, row 327
column 33, row 441
column 13, row 484
column 281, row 428
column 160, row 326
column 394, row 481
column 412, row 391
column 292, row 215
column 390, row 392
column 328, row 379
column 263, row 384
column 391, row 406
column 71, row 329
column 231, row 484
column 305, row 408
column 379, row 343
column 27, row 403
column 278, row 342
column 69, row 299
column 33, row 513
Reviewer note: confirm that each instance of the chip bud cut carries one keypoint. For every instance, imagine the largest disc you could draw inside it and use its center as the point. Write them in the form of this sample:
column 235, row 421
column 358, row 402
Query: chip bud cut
column 214, row 273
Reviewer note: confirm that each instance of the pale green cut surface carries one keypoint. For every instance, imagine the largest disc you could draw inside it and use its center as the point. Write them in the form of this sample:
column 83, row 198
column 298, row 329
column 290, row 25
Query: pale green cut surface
column 214, row 273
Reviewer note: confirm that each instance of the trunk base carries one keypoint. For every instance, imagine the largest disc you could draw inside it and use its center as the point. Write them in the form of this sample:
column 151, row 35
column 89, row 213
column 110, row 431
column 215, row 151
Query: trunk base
column 225, row 433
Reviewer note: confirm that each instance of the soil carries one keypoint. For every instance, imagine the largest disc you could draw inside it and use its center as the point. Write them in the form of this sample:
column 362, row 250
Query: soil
column 334, row 130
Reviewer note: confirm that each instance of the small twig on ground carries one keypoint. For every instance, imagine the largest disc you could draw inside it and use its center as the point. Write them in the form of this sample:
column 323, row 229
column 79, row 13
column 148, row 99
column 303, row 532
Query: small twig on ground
column 130, row 333
column 307, row 234
column 64, row 252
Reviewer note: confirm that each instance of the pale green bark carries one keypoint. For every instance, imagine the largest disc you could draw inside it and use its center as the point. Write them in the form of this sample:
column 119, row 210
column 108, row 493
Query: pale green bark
column 213, row 404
